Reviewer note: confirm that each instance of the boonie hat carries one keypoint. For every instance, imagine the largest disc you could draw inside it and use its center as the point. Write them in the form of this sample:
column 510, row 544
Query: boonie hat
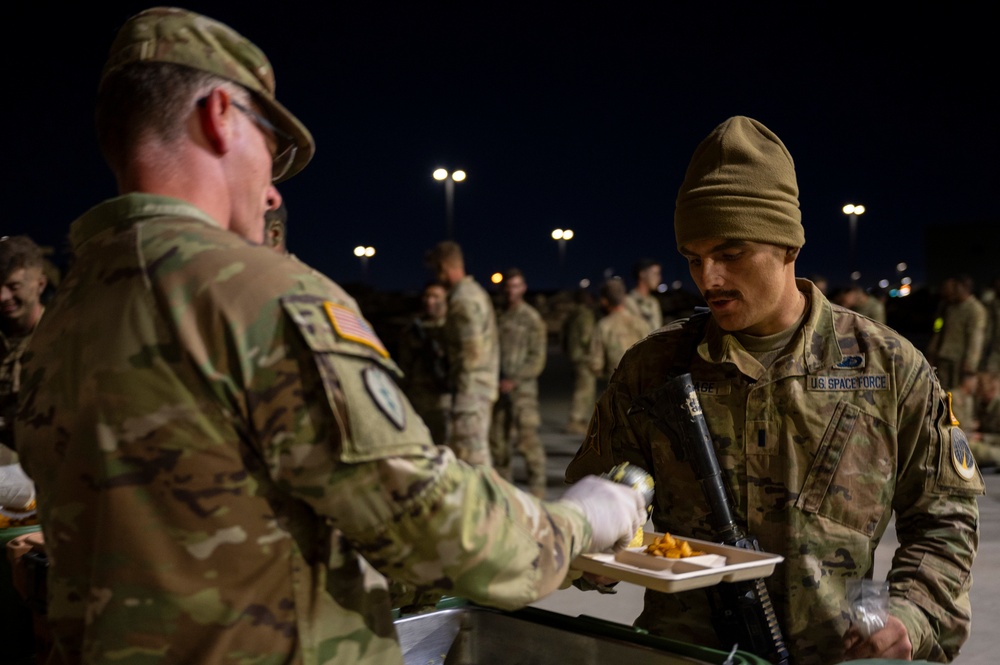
column 182, row 37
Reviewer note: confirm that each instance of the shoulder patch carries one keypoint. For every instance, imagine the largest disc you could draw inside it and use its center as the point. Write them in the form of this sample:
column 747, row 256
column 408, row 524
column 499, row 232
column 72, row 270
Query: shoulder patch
column 961, row 454
column 352, row 327
column 385, row 394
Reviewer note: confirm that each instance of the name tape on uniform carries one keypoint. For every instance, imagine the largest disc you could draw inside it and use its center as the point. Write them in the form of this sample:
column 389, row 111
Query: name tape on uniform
column 833, row 382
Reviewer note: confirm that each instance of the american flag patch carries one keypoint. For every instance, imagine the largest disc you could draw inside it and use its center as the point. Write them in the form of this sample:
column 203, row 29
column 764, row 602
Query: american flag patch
column 352, row 327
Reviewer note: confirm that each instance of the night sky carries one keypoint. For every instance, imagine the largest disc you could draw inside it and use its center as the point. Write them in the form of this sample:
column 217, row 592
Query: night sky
column 578, row 115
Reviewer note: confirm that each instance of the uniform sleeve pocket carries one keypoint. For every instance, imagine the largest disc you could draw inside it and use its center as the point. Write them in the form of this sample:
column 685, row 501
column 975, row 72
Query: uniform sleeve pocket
column 845, row 483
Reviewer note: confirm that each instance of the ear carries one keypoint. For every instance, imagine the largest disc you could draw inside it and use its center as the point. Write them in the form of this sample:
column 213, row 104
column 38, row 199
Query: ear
column 214, row 113
column 791, row 253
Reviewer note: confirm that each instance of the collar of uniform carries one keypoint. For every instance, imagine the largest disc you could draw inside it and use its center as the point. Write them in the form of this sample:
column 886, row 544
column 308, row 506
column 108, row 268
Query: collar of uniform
column 822, row 349
column 129, row 209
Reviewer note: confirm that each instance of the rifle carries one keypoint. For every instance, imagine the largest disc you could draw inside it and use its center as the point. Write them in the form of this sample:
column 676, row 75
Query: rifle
column 434, row 355
column 742, row 612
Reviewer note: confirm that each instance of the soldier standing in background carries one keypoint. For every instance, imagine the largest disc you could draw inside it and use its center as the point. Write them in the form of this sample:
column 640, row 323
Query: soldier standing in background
column 224, row 462
column 642, row 300
column 473, row 353
column 424, row 363
column 577, row 330
column 956, row 345
column 825, row 425
column 276, row 228
column 991, row 346
column 22, row 282
column 516, row 418
column 614, row 332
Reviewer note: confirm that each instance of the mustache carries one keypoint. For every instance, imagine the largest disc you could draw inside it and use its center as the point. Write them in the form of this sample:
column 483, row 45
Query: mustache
column 722, row 295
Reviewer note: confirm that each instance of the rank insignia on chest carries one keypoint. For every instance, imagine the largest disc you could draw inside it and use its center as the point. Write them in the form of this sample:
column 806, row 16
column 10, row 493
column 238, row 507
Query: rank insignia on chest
column 961, row 454
column 348, row 325
column 385, row 394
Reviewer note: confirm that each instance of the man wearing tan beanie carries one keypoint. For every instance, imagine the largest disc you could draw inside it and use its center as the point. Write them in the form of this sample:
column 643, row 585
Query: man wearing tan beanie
column 825, row 425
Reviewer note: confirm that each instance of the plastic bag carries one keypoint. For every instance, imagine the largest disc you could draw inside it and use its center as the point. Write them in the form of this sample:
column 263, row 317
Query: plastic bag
column 869, row 605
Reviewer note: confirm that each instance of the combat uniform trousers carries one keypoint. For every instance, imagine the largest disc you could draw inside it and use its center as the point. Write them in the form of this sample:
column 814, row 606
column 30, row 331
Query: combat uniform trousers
column 470, row 428
column 584, row 396
column 516, row 420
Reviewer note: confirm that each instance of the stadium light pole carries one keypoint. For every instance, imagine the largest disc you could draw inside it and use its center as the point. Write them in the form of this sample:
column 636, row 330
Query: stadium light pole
column 449, row 180
column 853, row 211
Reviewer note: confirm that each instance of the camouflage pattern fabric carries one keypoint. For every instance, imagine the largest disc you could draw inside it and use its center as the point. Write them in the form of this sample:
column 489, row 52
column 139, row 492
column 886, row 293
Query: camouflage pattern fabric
column 225, row 465
column 646, row 307
column 428, row 393
column 11, row 350
column 872, row 308
column 817, row 452
column 577, row 330
column 474, row 368
column 516, row 418
column 613, row 335
column 958, row 346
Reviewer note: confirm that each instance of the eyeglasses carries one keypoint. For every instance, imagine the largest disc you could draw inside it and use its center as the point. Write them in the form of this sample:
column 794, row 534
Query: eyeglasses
column 285, row 147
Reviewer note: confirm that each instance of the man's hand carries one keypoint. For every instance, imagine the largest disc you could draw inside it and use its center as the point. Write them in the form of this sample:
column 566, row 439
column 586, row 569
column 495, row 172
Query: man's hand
column 506, row 385
column 890, row 642
column 615, row 511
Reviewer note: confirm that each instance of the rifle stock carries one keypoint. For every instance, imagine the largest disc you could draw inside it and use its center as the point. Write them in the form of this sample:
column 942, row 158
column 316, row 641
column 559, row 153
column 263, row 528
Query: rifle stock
column 742, row 612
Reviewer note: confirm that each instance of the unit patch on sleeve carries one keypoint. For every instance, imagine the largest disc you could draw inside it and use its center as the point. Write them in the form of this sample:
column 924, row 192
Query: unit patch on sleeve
column 348, row 325
column 385, row 394
column 961, row 454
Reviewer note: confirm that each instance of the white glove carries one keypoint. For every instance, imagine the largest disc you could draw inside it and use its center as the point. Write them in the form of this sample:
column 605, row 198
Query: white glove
column 16, row 488
column 615, row 511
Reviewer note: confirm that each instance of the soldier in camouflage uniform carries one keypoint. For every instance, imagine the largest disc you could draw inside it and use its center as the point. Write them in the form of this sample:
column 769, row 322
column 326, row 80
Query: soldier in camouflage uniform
column 523, row 350
column 985, row 440
column 473, row 353
column 824, row 423
column 614, row 332
column 22, row 282
column 642, row 300
column 424, row 363
column 224, row 462
column 957, row 343
column 576, row 332
column 276, row 228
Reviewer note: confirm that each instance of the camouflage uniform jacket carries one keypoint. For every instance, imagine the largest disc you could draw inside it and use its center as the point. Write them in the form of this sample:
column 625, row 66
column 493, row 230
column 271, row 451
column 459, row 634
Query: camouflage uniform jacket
column 11, row 350
column 422, row 357
column 818, row 451
column 961, row 338
column 523, row 346
column 646, row 307
column 613, row 335
column 577, row 329
column 223, row 461
column 471, row 335
column 873, row 309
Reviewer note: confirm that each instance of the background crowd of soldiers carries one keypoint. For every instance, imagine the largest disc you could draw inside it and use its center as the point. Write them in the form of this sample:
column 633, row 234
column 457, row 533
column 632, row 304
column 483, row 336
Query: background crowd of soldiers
column 500, row 357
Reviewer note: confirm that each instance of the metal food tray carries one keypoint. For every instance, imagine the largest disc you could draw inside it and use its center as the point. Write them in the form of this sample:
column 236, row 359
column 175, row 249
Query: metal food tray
column 673, row 575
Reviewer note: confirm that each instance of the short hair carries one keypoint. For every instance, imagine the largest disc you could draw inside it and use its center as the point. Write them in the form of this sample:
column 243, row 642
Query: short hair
column 642, row 264
column 614, row 291
column 18, row 252
column 511, row 273
column 446, row 251
column 149, row 98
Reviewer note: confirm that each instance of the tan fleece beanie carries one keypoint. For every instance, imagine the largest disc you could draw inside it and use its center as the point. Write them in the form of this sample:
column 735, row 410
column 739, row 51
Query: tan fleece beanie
column 740, row 185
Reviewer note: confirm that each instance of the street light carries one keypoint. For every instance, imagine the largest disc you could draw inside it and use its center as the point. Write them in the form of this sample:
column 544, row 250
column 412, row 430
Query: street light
column 364, row 253
column 561, row 236
column 449, row 197
column 853, row 211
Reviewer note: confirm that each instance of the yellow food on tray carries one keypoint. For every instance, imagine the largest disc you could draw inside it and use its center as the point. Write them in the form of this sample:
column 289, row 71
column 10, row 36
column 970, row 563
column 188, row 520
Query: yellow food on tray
column 637, row 539
column 671, row 548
